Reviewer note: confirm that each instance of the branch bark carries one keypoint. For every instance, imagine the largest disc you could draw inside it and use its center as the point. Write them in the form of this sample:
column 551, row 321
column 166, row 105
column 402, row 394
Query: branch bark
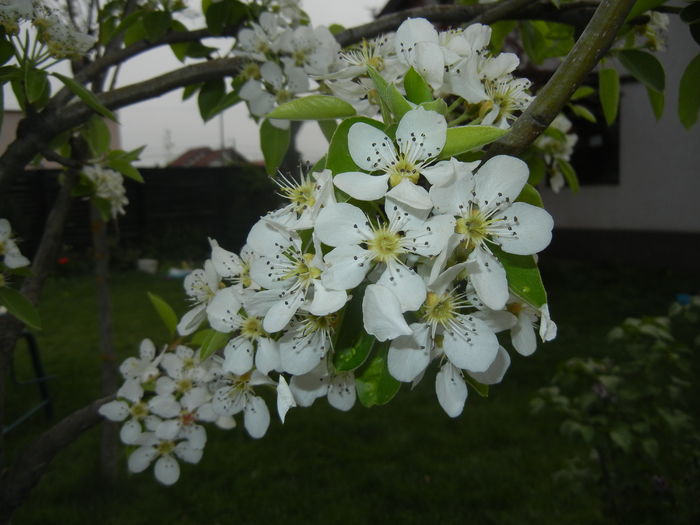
column 28, row 468
column 588, row 50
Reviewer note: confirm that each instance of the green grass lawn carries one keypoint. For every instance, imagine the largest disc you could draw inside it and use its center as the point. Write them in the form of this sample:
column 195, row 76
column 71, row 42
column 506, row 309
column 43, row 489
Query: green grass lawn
column 406, row 462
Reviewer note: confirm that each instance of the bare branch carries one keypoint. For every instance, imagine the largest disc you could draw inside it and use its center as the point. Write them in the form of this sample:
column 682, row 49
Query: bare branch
column 29, row 467
column 590, row 47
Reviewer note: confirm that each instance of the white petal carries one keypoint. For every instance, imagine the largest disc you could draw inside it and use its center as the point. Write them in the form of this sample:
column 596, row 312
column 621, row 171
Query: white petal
column 342, row 224
column 348, row 266
column 523, row 335
column 267, row 356
column 409, row 33
column 191, row 320
column 186, row 452
column 167, row 470
column 369, row 147
column 309, row 387
column 326, row 301
column 114, row 410
column 147, row 350
column 131, row 432
column 548, row 328
column 470, row 344
column 411, row 194
column 164, row 406
column 432, row 238
column 168, row 429
column 409, row 355
column 227, row 264
column 266, row 238
column 362, row 186
column 222, row 311
column 285, row 398
column 451, row 390
column 131, row 390
column 499, row 181
column 382, row 315
column 341, row 391
column 488, row 276
column 429, row 61
column 405, row 284
column 141, row 458
column 257, row 417
column 238, row 356
column 531, row 229
column 496, row 371
column 452, row 198
column 195, row 397
column 283, row 310
column 497, row 320
column 196, row 437
column 422, row 133
column 300, row 355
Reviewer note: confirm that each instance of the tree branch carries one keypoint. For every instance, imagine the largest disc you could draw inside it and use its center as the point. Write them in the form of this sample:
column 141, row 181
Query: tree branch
column 588, row 50
column 30, row 465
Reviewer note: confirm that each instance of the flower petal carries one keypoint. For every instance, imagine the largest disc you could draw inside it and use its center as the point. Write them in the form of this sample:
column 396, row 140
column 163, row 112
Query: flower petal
column 114, row 410
column 141, row 458
column 451, row 390
column 405, row 284
column 238, row 356
column 267, row 356
column 470, row 344
column 342, row 224
column 421, row 134
column 341, row 391
column 496, row 371
column 499, row 181
column 488, row 276
column 285, row 398
column 167, row 470
column 530, row 229
column 362, row 186
column 411, row 194
column 409, row 355
column 369, row 147
column 256, row 418
column 382, row 315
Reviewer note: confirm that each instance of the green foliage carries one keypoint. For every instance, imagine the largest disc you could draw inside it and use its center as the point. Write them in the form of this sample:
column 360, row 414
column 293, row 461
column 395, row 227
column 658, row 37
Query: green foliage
column 688, row 99
column 417, row 89
column 156, row 24
column 621, row 407
column 462, row 139
column 393, row 104
column 524, row 279
column 642, row 6
column 97, row 135
column 375, row 385
column 569, row 174
column 211, row 341
column 20, row 307
column 121, row 161
column 643, row 66
column 609, row 93
column 353, row 345
column 313, row 107
column 274, row 143
column 86, row 96
column 221, row 15
column 543, row 40
column 165, row 312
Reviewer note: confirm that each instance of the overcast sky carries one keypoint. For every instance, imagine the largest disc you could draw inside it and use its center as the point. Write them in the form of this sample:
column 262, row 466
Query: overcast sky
column 168, row 126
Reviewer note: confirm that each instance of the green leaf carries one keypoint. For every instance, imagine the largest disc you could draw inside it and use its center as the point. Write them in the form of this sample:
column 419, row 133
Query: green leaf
column 622, row 437
column 328, row 128
column 165, row 312
column 36, row 83
column 583, row 112
column 530, row 195
column 466, row 138
column 481, row 389
column 274, row 143
column 688, row 99
column 417, row 89
column 313, row 107
column 124, row 25
column 86, row 96
column 156, row 24
column 651, row 447
column 103, row 206
column 642, row 6
column 218, row 15
column 6, row 50
column 97, row 135
column 209, row 97
column 212, row 342
column 582, row 92
column 439, row 106
column 523, row 275
column 538, row 168
column 136, row 31
column 390, row 96
column 656, row 99
column 609, row 93
column 353, row 345
column 20, row 307
column 499, row 31
column 124, row 167
column 569, row 174
column 339, row 159
column 691, row 13
column 179, row 49
column 375, row 386
column 643, row 66
column 190, row 90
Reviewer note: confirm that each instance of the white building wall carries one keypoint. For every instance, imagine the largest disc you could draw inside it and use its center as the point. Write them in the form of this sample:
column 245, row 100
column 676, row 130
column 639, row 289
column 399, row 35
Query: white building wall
column 659, row 161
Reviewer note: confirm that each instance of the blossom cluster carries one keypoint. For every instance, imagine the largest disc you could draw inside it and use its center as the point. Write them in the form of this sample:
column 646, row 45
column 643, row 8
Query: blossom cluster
column 108, row 185
column 557, row 146
column 457, row 64
column 12, row 257
column 414, row 243
column 61, row 39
